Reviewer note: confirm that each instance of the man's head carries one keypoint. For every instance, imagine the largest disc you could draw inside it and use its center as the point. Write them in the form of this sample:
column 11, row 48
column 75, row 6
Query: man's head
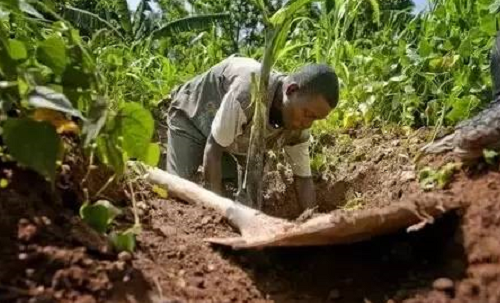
column 309, row 95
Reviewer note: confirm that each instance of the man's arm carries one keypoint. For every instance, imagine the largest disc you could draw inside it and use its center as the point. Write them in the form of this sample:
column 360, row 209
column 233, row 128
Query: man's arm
column 298, row 157
column 305, row 191
column 212, row 165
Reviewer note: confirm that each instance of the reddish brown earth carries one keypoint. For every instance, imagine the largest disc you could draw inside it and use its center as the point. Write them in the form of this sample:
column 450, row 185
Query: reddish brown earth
column 48, row 255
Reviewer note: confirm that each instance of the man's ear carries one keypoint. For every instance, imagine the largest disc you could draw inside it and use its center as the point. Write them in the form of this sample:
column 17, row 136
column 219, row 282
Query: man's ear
column 292, row 88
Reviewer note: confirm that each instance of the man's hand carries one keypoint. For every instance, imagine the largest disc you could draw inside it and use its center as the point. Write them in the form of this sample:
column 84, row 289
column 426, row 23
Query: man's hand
column 306, row 194
column 212, row 165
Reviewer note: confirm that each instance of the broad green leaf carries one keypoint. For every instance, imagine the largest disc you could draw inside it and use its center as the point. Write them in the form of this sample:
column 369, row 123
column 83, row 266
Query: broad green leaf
column 490, row 156
column 424, row 48
column 135, row 125
column 45, row 97
column 17, row 50
column 52, row 53
column 465, row 49
column 109, row 153
column 33, row 144
column 461, row 109
column 153, row 154
column 96, row 216
column 488, row 25
column 7, row 64
column 99, row 215
column 124, row 241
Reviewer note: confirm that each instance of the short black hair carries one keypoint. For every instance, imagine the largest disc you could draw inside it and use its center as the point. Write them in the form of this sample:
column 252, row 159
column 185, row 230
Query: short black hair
column 317, row 79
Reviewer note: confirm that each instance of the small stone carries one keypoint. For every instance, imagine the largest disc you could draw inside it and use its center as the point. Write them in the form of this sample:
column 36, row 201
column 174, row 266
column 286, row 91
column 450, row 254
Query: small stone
column 443, row 284
column 142, row 205
column 120, row 265
column 181, row 283
column 210, row 267
column 22, row 256
column 40, row 290
column 46, row 221
column 24, row 221
column 408, row 176
column 125, row 256
column 334, row 294
column 205, row 220
column 126, row 278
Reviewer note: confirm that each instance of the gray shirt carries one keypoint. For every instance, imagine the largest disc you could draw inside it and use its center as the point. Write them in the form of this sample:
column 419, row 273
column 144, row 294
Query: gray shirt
column 218, row 102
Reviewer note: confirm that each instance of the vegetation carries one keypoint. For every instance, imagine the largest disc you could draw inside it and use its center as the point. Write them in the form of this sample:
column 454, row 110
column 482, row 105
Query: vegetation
column 93, row 71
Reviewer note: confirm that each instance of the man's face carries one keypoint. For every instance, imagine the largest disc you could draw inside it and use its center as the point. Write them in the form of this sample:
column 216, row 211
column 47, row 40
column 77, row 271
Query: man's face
column 300, row 110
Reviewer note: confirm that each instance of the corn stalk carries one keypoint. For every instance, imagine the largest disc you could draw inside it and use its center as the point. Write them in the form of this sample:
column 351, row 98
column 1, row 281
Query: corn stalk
column 277, row 28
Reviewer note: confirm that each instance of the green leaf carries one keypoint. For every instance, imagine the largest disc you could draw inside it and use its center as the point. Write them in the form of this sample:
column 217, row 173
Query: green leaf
column 11, row 4
column 376, row 11
column 124, row 15
column 200, row 22
column 461, row 109
column 399, row 78
column 33, row 144
column 7, row 64
column 490, row 156
column 17, row 50
column 110, row 153
column 136, row 127
column 99, row 215
column 52, row 53
column 75, row 77
column 494, row 7
column 488, row 25
column 161, row 192
column 287, row 11
column 153, row 154
column 29, row 9
column 45, row 97
column 96, row 119
column 124, row 241
column 424, row 48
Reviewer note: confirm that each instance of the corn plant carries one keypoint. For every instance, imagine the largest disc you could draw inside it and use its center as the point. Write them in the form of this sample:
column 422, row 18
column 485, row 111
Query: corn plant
column 277, row 28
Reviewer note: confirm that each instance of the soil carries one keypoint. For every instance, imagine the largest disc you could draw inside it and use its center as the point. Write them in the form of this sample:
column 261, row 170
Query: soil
column 48, row 255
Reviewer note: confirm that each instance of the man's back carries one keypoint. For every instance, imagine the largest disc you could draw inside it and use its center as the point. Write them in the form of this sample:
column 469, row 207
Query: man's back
column 201, row 97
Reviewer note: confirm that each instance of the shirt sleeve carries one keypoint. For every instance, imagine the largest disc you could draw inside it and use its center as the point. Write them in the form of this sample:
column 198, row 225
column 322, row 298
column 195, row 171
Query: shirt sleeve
column 298, row 157
column 229, row 118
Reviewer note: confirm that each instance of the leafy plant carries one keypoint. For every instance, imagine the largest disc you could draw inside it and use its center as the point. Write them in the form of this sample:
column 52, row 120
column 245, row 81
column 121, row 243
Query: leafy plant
column 437, row 179
column 277, row 30
column 99, row 215
column 490, row 156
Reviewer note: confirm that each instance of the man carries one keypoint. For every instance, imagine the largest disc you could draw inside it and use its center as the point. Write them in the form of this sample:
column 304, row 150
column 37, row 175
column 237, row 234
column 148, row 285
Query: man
column 210, row 116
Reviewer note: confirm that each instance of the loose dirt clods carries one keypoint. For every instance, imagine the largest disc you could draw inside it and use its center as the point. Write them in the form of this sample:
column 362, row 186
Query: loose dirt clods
column 47, row 255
